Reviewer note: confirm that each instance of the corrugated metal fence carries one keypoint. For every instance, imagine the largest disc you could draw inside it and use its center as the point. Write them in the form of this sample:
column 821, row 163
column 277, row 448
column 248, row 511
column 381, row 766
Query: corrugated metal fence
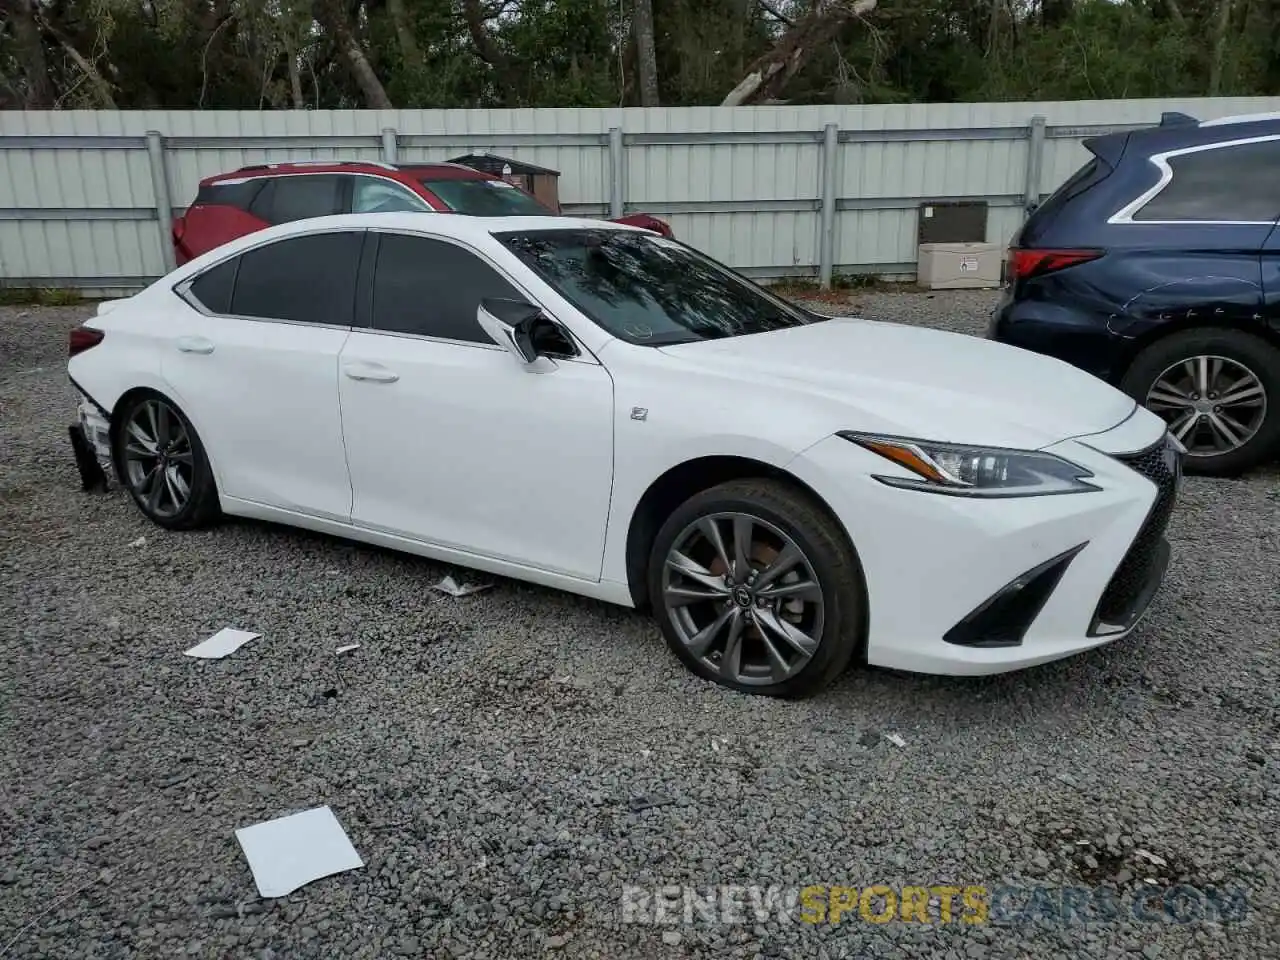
column 775, row 191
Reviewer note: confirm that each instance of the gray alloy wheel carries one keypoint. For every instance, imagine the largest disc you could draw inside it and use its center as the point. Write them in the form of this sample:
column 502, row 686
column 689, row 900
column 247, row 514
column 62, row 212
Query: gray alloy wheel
column 158, row 457
column 743, row 598
column 1213, row 404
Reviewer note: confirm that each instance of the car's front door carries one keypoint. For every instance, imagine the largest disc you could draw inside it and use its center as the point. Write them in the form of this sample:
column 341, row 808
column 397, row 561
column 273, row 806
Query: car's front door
column 253, row 360
column 450, row 440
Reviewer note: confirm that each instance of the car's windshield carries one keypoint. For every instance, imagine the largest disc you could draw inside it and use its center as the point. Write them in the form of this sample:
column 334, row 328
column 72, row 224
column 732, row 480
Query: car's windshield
column 647, row 289
column 486, row 198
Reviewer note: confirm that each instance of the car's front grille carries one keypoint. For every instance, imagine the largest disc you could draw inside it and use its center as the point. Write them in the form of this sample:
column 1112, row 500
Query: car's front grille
column 1131, row 584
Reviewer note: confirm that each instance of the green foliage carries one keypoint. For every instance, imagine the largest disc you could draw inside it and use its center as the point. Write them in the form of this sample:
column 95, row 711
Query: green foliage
column 530, row 53
column 1104, row 50
column 39, row 297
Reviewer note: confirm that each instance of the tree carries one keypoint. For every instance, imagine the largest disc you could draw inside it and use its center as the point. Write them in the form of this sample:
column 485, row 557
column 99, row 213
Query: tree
column 336, row 21
column 646, row 51
column 279, row 54
column 771, row 73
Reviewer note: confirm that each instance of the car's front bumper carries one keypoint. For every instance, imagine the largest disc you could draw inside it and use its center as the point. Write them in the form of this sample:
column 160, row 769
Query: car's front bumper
column 941, row 570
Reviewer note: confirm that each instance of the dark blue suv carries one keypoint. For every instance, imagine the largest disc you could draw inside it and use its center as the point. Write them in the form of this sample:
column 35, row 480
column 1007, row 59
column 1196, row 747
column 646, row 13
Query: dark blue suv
column 1157, row 268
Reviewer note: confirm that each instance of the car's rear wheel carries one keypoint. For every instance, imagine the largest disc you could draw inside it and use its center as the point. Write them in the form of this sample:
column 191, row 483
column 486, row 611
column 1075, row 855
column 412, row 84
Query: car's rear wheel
column 755, row 587
column 163, row 464
column 1219, row 391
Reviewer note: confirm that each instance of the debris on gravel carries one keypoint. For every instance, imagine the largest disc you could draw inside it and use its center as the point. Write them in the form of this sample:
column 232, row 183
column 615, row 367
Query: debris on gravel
column 529, row 774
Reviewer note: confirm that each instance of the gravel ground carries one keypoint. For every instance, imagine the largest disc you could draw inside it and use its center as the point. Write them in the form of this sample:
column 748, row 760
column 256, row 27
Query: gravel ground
column 507, row 762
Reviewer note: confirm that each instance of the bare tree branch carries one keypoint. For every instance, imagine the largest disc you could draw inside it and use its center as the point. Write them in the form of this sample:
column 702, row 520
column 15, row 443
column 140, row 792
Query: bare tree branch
column 335, row 21
column 775, row 13
column 769, row 75
column 204, row 58
column 487, row 50
column 101, row 88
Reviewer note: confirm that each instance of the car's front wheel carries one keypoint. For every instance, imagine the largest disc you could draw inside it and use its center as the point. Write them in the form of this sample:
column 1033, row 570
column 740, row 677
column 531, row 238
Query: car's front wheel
column 755, row 587
column 1219, row 391
column 163, row 464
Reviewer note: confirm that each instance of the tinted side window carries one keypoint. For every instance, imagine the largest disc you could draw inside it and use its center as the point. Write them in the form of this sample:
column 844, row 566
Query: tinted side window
column 240, row 195
column 1226, row 183
column 285, row 199
column 309, row 279
column 433, row 288
column 213, row 287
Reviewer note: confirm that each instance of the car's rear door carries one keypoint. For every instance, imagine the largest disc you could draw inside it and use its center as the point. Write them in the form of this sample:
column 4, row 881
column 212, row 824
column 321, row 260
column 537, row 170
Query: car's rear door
column 252, row 356
column 451, row 441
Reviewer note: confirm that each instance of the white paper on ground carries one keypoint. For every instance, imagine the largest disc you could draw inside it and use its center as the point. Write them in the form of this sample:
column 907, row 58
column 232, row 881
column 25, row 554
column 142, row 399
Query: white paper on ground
column 291, row 852
column 450, row 586
column 348, row 648
column 223, row 642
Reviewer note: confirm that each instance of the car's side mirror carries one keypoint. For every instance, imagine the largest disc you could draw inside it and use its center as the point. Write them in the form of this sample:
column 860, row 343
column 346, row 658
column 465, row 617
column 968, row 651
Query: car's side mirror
column 501, row 318
column 522, row 329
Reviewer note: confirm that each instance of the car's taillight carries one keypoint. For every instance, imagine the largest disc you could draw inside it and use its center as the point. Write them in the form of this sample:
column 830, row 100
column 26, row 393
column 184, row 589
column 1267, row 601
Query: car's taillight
column 1025, row 263
column 179, row 228
column 82, row 338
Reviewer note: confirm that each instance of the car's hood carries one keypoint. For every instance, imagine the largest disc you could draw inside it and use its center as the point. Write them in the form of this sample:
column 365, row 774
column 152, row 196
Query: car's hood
column 936, row 385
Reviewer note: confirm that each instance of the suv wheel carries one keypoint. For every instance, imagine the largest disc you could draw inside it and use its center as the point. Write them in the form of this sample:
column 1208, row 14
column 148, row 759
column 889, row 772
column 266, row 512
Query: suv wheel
column 756, row 588
column 1219, row 391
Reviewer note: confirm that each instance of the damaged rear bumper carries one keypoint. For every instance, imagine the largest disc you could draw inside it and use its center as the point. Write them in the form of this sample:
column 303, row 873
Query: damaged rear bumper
column 91, row 444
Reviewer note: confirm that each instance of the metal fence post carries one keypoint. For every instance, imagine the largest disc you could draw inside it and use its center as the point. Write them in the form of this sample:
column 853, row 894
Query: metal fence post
column 827, row 233
column 163, row 199
column 617, row 173
column 390, row 145
column 1035, row 164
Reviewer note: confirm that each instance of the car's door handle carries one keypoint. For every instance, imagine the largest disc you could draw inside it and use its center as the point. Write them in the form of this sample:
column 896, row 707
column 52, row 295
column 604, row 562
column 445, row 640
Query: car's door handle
column 372, row 372
column 195, row 345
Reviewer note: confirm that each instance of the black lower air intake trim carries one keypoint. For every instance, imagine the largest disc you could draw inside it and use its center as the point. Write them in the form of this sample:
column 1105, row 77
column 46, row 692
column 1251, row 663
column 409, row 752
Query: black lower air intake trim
column 1003, row 618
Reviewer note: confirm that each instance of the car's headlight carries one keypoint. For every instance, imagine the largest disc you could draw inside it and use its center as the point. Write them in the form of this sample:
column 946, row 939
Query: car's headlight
column 969, row 471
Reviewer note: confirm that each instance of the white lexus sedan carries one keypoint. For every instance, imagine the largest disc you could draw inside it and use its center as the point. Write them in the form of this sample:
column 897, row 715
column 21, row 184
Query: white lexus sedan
column 598, row 409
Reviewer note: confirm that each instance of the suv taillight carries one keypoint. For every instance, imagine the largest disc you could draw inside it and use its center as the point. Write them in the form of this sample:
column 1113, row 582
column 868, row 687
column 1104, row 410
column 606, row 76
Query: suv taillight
column 1025, row 263
column 82, row 338
column 179, row 228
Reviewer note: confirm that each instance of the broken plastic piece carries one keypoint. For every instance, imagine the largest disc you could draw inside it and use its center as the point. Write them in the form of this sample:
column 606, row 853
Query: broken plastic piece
column 641, row 802
column 222, row 643
column 290, row 852
column 895, row 739
column 140, row 542
column 1151, row 858
column 348, row 648
column 450, row 586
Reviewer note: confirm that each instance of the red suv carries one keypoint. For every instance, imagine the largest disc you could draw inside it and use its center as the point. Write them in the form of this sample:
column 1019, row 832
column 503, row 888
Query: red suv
column 230, row 205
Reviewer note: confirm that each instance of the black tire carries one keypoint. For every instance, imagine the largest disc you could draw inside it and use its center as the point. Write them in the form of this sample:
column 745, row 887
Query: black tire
column 827, row 553
column 200, row 507
column 1258, row 356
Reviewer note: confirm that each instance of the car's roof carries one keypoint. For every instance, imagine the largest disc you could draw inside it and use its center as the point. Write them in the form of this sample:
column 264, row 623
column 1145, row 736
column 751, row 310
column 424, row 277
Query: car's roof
column 435, row 168
column 1184, row 132
column 457, row 225
column 461, row 224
